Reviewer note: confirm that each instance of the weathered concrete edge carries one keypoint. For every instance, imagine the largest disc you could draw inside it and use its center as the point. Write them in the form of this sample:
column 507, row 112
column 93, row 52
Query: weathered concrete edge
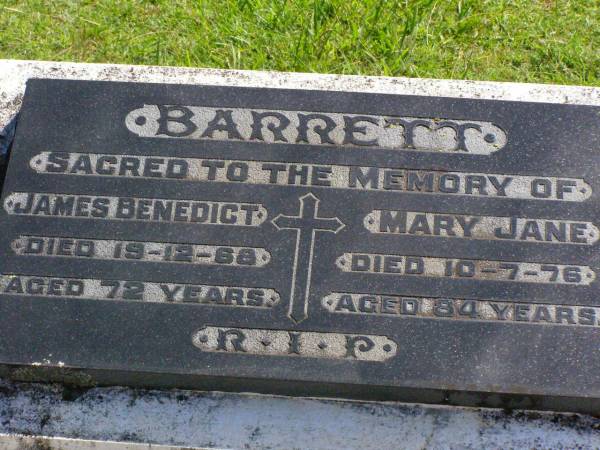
column 227, row 420
column 23, row 442
column 14, row 74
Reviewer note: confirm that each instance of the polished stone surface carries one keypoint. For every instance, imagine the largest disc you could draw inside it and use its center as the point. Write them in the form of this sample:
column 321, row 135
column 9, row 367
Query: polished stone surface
column 289, row 241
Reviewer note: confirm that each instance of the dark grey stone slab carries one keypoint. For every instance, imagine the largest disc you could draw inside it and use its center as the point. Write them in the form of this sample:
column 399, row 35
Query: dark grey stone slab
column 303, row 242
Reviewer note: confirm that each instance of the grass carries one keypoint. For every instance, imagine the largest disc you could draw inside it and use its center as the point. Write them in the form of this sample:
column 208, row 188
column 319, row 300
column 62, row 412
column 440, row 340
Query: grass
column 555, row 41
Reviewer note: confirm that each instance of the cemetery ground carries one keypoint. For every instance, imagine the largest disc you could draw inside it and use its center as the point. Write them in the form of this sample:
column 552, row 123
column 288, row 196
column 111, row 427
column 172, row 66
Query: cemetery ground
column 549, row 41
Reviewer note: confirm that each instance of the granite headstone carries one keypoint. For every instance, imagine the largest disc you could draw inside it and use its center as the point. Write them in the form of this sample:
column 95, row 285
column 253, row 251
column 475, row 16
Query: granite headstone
column 303, row 242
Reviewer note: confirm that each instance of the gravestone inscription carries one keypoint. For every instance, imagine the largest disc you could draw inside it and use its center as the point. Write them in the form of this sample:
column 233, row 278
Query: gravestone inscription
column 303, row 242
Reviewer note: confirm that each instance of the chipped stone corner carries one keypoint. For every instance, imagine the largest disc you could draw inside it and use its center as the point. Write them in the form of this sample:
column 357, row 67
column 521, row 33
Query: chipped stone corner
column 7, row 134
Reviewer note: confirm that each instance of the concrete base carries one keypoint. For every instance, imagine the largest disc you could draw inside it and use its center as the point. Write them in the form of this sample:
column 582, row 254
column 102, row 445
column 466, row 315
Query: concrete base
column 240, row 421
column 50, row 416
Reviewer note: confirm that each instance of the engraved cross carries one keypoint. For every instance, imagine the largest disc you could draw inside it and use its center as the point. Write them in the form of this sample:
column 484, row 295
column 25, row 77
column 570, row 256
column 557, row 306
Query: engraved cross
column 306, row 224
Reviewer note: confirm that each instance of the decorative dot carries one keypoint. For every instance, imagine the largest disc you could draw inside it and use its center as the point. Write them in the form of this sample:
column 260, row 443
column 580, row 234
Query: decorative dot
column 264, row 257
column 322, row 345
column 583, row 190
column 259, row 215
column 265, row 342
column 490, row 138
column 371, row 221
column 329, row 302
column 203, row 338
column 38, row 161
column 387, row 348
column 141, row 120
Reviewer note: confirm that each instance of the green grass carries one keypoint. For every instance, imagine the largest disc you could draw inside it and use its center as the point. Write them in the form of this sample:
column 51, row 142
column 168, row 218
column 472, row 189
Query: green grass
column 554, row 41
